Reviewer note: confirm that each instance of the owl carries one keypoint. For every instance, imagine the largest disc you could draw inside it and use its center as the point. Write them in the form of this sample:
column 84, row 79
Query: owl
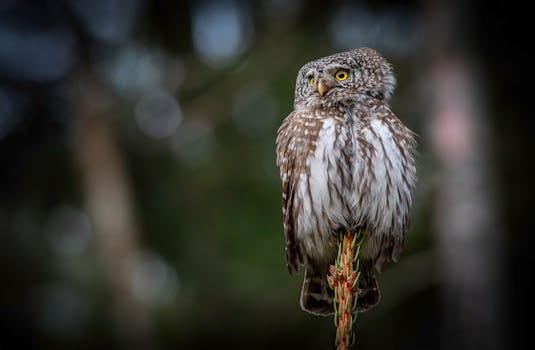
column 345, row 161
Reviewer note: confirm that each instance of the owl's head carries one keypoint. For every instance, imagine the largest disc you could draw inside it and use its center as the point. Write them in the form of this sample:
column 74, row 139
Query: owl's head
column 343, row 77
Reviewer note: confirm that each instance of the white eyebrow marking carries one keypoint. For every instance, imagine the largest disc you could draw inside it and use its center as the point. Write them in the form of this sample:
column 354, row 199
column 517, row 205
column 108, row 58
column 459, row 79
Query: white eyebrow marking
column 335, row 66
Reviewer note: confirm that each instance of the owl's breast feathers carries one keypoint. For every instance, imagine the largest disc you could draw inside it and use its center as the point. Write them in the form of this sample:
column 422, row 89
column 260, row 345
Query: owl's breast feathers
column 384, row 177
column 339, row 167
column 314, row 155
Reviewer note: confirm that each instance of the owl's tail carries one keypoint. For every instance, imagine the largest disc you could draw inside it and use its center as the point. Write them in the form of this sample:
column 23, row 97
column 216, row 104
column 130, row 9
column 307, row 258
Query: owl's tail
column 317, row 297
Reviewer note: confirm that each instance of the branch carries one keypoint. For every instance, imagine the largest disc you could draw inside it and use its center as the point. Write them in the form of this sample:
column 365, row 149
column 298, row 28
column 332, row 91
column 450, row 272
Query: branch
column 343, row 278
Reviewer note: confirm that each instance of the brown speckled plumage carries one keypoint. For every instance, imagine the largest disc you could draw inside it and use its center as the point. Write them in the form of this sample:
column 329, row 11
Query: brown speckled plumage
column 344, row 159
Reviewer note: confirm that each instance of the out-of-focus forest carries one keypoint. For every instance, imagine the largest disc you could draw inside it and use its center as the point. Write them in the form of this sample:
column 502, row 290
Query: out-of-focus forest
column 140, row 204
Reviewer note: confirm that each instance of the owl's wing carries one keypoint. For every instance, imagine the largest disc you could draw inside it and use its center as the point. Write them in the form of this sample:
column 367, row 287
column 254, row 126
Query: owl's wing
column 286, row 163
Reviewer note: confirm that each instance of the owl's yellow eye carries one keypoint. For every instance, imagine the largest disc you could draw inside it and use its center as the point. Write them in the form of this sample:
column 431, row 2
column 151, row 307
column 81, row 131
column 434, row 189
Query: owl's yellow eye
column 341, row 75
column 311, row 82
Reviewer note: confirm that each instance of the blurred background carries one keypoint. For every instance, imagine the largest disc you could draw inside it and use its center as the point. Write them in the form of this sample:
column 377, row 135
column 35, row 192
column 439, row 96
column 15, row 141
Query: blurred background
column 140, row 204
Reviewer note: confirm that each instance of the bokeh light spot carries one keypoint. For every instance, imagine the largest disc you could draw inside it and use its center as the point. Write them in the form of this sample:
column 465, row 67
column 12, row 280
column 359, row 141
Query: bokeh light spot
column 221, row 31
column 68, row 230
column 158, row 114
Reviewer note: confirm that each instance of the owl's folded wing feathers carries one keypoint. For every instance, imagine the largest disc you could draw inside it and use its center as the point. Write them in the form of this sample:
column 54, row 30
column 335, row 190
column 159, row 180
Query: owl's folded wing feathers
column 285, row 161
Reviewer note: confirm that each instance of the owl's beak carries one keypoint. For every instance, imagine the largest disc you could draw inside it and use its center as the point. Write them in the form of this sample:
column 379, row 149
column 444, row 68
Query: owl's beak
column 324, row 86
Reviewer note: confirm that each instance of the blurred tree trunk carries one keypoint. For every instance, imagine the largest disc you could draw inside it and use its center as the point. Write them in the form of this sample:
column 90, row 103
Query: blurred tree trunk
column 109, row 204
column 466, row 216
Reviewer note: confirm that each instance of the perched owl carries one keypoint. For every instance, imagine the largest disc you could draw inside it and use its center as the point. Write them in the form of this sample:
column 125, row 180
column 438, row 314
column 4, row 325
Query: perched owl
column 345, row 161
